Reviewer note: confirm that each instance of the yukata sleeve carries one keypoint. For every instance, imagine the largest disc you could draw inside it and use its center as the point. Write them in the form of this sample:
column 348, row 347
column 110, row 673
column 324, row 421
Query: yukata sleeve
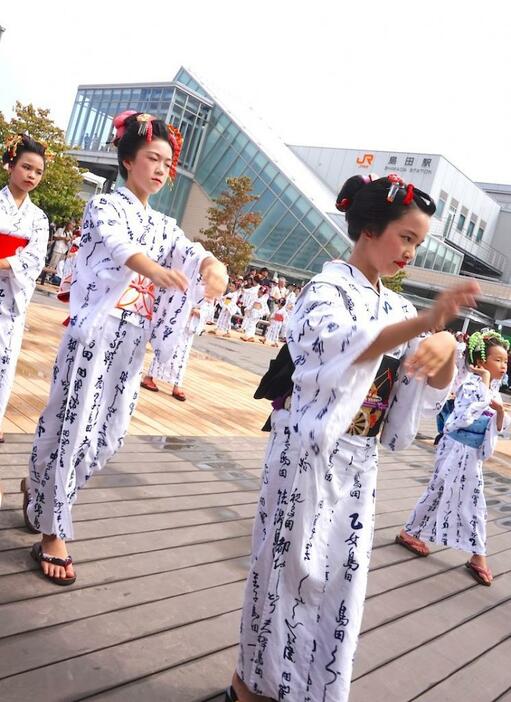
column 106, row 244
column 492, row 434
column 27, row 263
column 410, row 399
column 327, row 333
column 472, row 399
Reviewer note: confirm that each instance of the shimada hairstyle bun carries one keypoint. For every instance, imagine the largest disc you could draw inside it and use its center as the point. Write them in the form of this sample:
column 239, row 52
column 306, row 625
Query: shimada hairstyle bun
column 371, row 203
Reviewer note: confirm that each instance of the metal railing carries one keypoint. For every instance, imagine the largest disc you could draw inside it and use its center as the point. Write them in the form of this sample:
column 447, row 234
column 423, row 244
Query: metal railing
column 480, row 250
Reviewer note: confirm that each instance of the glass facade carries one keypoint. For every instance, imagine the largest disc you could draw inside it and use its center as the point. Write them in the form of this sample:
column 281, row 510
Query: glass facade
column 434, row 254
column 294, row 233
column 90, row 126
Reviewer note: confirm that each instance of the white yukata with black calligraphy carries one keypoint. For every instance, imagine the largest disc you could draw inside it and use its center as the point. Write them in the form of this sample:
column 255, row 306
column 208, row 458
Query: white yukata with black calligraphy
column 452, row 509
column 173, row 371
column 228, row 308
column 17, row 283
column 314, row 527
column 114, row 312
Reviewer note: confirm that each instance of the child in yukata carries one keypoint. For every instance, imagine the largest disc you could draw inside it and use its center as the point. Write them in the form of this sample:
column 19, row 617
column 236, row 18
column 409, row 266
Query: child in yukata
column 359, row 356
column 277, row 321
column 452, row 509
column 228, row 308
column 257, row 310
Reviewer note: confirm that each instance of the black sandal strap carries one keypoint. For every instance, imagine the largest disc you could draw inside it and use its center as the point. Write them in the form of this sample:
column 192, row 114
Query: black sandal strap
column 64, row 562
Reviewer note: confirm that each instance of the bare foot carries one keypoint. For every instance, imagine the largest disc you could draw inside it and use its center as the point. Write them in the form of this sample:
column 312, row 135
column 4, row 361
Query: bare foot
column 53, row 546
column 483, row 571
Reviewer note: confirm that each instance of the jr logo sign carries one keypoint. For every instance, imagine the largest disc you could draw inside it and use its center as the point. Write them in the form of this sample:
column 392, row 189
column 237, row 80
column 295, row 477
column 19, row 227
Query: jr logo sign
column 366, row 160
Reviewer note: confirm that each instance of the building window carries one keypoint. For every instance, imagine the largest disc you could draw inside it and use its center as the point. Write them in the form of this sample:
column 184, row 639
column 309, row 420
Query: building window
column 470, row 230
column 440, row 206
column 480, row 234
column 461, row 222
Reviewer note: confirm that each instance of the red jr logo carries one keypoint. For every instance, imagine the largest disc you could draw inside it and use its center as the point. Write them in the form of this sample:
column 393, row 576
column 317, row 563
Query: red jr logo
column 366, row 160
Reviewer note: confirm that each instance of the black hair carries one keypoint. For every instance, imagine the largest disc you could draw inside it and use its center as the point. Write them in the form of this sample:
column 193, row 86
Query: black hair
column 25, row 144
column 367, row 208
column 131, row 141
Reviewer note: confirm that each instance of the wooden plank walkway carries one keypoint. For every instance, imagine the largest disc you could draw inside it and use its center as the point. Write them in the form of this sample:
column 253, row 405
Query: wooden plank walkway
column 220, row 396
column 162, row 547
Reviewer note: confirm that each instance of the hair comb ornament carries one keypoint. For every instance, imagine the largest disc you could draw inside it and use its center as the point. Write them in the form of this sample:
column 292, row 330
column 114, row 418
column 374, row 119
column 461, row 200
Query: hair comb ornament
column 145, row 125
column 12, row 144
column 396, row 183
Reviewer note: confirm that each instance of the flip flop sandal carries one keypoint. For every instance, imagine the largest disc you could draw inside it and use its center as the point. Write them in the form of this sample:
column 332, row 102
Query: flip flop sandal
column 477, row 573
column 38, row 556
column 179, row 395
column 150, row 386
column 410, row 546
column 23, row 489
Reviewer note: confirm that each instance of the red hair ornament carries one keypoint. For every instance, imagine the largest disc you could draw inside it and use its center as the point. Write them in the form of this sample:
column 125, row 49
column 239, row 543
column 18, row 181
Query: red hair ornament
column 145, row 128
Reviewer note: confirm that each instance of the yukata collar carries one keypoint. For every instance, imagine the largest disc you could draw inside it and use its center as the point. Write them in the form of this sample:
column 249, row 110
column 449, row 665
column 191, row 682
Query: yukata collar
column 26, row 202
column 332, row 269
column 133, row 199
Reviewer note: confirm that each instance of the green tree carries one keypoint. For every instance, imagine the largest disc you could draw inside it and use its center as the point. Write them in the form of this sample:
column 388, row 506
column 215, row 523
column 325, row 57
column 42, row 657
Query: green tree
column 57, row 194
column 231, row 224
column 395, row 282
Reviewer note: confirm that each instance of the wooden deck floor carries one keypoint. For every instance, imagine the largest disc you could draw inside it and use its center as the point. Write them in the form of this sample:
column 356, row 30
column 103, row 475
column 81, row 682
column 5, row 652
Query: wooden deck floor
column 162, row 546
column 219, row 403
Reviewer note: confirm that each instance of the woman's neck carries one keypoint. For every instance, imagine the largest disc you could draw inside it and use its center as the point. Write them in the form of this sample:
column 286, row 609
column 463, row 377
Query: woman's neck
column 19, row 196
column 360, row 261
column 138, row 193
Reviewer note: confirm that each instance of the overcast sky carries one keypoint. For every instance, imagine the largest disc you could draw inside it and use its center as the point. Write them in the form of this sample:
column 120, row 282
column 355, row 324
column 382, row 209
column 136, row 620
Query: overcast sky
column 429, row 77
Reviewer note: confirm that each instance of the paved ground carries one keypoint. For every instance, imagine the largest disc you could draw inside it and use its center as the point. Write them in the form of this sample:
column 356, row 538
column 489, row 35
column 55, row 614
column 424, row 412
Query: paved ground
column 161, row 550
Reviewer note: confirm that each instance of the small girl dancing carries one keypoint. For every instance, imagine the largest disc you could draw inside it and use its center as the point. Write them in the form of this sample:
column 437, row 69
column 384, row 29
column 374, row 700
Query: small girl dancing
column 452, row 510
column 229, row 307
column 277, row 321
column 257, row 310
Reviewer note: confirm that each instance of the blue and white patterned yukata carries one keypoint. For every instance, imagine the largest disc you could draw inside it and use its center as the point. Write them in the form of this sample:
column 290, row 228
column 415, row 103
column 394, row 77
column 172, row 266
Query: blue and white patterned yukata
column 452, row 509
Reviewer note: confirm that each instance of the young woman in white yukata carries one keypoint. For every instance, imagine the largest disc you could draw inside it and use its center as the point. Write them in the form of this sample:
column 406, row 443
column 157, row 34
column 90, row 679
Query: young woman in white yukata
column 452, row 509
column 23, row 241
column 173, row 372
column 134, row 279
column 313, row 532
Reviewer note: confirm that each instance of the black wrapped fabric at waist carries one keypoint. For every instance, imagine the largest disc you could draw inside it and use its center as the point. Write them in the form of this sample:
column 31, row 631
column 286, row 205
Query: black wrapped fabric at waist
column 277, row 385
